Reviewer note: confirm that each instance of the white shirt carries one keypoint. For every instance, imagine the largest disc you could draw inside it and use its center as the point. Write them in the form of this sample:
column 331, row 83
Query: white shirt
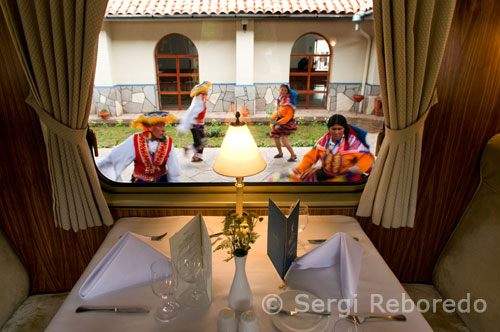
column 123, row 155
column 188, row 120
column 335, row 145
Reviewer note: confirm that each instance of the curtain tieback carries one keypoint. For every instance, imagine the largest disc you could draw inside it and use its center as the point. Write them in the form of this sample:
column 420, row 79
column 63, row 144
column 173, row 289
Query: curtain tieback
column 71, row 135
column 398, row 136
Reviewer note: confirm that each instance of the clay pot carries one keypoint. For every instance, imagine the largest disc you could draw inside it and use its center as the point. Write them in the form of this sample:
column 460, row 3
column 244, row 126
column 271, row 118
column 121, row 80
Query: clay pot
column 358, row 98
column 103, row 115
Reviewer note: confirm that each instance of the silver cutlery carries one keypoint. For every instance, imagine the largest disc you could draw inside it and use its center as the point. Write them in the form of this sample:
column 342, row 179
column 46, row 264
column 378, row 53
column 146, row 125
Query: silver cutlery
column 154, row 237
column 121, row 309
column 361, row 319
column 295, row 313
column 215, row 241
column 215, row 234
column 157, row 237
column 317, row 241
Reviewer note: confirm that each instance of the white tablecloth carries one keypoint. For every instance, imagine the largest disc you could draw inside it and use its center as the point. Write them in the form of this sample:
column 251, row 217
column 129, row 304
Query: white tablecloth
column 375, row 278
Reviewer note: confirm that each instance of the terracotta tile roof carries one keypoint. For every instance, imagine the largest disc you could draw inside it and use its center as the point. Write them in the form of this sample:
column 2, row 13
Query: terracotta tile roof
column 229, row 7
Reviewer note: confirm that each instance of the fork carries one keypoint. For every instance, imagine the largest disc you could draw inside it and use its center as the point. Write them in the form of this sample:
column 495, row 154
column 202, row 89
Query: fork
column 361, row 319
column 295, row 313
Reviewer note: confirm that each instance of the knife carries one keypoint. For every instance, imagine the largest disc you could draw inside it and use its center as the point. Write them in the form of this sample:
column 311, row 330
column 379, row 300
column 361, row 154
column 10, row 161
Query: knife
column 316, row 241
column 215, row 234
column 124, row 309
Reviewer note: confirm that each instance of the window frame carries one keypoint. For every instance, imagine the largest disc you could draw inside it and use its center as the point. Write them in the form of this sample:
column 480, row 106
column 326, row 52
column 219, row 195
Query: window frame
column 223, row 194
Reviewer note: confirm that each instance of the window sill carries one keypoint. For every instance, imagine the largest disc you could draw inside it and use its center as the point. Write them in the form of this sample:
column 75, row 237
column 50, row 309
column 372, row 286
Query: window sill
column 208, row 195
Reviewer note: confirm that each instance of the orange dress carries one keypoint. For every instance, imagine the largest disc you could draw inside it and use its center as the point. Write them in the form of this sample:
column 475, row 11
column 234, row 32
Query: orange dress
column 283, row 117
column 339, row 162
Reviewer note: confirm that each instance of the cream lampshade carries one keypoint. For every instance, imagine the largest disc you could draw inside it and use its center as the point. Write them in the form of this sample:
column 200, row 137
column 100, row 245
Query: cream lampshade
column 239, row 157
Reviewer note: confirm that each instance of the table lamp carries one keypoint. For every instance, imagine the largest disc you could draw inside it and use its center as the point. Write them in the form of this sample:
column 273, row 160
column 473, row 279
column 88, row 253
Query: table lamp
column 239, row 157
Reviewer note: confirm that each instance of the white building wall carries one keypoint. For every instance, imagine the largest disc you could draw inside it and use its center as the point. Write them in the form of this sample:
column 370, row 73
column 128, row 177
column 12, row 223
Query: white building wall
column 123, row 43
column 373, row 77
column 245, row 68
column 104, row 75
column 274, row 40
column 244, row 55
column 133, row 49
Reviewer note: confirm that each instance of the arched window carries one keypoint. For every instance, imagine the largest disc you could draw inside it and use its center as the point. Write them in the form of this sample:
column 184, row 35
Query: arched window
column 310, row 70
column 176, row 71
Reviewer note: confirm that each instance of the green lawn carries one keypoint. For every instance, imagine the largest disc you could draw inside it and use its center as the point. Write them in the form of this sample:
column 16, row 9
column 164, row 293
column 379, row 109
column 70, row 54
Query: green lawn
column 306, row 135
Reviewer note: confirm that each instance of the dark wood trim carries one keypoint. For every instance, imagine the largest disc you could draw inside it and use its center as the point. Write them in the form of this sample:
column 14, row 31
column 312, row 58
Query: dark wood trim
column 166, row 212
column 458, row 127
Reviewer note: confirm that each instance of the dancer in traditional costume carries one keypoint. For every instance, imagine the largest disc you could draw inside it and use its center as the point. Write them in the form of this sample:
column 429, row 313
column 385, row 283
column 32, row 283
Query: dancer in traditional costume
column 151, row 151
column 343, row 152
column 194, row 119
column 283, row 121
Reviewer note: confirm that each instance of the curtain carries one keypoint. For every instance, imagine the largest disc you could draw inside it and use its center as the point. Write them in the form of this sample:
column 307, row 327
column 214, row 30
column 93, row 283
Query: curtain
column 57, row 45
column 410, row 38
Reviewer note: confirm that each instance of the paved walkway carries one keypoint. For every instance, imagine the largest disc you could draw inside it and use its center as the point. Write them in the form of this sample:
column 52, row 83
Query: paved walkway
column 203, row 172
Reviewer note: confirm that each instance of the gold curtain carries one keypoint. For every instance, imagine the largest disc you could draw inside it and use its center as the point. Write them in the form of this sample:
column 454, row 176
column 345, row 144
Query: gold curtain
column 57, row 45
column 410, row 37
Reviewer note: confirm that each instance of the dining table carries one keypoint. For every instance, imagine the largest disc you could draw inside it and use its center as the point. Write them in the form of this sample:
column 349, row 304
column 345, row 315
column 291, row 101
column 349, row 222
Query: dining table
column 376, row 281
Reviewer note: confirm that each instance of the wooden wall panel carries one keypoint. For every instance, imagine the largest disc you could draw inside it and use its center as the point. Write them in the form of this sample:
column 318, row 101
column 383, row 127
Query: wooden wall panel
column 467, row 115
column 54, row 258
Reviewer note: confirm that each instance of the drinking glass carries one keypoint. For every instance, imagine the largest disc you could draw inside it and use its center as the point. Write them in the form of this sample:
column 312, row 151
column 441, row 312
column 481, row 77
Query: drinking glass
column 303, row 220
column 191, row 270
column 163, row 284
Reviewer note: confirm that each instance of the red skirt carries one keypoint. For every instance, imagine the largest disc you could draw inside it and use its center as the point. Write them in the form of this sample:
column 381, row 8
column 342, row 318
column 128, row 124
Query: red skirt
column 284, row 130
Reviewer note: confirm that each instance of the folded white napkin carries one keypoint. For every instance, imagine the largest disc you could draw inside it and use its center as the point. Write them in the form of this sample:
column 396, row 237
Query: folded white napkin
column 126, row 264
column 330, row 271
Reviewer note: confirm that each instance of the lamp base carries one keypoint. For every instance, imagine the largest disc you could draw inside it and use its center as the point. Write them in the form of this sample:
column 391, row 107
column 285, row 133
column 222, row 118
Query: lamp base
column 239, row 195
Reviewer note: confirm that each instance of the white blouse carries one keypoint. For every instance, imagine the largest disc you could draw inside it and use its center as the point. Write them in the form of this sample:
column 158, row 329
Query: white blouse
column 189, row 119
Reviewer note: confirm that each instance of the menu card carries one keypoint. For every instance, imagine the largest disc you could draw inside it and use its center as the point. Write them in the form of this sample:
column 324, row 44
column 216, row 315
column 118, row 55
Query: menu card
column 192, row 242
column 282, row 237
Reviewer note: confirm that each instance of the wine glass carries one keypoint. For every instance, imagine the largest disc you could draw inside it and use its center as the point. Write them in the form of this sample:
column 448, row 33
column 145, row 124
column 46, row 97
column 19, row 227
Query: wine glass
column 163, row 284
column 191, row 270
column 303, row 220
column 346, row 325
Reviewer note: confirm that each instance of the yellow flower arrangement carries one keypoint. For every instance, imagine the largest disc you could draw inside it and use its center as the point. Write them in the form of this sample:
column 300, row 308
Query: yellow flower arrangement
column 240, row 234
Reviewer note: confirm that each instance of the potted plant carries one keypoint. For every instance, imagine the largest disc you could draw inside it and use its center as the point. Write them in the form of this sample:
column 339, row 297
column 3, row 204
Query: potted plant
column 356, row 96
column 103, row 114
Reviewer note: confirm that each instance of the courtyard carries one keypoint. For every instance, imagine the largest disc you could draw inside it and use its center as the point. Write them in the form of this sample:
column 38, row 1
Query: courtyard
column 203, row 172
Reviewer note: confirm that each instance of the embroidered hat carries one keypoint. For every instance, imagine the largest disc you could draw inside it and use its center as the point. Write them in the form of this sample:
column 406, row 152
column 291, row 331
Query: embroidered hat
column 151, row 119
column 200, row 88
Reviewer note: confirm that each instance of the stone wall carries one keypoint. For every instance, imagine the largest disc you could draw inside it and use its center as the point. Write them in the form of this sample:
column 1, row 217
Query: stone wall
column 254, row 98
column 372, row 92
column 340, row 98
column 257, row 98
column 125, row 99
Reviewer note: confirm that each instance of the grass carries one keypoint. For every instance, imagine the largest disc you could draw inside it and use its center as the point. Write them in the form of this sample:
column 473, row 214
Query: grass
column 306, row 135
